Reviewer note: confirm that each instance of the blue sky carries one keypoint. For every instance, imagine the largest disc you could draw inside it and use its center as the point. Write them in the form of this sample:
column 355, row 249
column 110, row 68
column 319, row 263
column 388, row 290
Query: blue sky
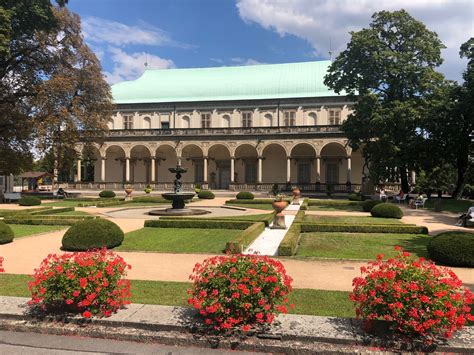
column 201, row 33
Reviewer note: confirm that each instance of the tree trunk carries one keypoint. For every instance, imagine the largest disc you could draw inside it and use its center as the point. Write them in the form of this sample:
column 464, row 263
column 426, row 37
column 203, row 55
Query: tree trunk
column 462, row 166
column 404, row 179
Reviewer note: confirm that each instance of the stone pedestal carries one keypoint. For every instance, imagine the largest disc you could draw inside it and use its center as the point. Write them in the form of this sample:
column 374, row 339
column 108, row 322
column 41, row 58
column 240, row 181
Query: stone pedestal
column 279, row 221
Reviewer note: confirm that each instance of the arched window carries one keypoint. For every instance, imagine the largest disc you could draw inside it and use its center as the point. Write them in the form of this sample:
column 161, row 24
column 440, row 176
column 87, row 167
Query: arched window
column 268, row 120
column 186, row 122
column 147, row 123
column 290, row 118
column 205, row 120
column 226, row 121
column 312, row 119
column 246, row 119
column 334, row 117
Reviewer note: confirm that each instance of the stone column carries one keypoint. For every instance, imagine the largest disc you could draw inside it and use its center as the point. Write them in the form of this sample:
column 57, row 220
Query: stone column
column 318, row 169
column 102, row 169
column 205, row 169
column 288, row 169
column 127, row 169
column 78, row 179
column 153, row 170
column 259, row 171
column 232, row 169
column 349, row 170
column 413, row 177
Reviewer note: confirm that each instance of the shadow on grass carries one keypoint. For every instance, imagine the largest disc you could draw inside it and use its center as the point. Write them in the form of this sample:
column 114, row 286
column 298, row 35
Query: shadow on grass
column 416, row 245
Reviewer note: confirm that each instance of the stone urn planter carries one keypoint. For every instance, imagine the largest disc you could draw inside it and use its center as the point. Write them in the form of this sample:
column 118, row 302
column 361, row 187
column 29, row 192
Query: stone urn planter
column 279, row 219
column 296, row 195
column 128, row 191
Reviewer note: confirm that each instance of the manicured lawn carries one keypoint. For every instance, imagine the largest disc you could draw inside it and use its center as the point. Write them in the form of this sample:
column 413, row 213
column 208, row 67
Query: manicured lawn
column 178, row 240
column 257, row 206
column 311, row 302
column 72, row 213
column 455, row 206
column 334, row 205
column 351, row 220
column 65, row 203
column 250, row 217
column 22, row 230
column 359, row 245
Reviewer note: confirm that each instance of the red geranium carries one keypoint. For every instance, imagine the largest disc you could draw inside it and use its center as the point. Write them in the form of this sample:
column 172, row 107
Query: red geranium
column 423, row 300
column 91, row 283
column 239, row 291
column 1, row 265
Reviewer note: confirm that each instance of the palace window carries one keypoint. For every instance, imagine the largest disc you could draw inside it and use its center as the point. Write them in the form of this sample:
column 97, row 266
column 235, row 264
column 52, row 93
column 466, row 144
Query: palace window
column 312, row 119
column 147, row 123
column 226, row 121
column 186, row 122
column 165, row 125
column 205, row 120
column 247, row 119
column 128, row 122
column 290, row 118
column 334, row 117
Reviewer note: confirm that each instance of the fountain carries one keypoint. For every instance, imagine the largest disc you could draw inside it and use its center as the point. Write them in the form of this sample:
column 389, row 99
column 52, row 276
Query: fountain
column 178, row 198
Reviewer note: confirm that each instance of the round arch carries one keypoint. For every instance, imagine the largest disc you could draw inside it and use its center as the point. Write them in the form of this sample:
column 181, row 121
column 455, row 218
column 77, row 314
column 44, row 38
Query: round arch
column 219, row 166
column 333, row 163
column 115, row 163
column 166, row 158
column 192, row 157
column 246, row 163
column 274, row 163
column 140, row 163
column 302, row 169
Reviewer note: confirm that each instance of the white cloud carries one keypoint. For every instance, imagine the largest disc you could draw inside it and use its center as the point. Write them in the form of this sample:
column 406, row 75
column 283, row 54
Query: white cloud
column 322, row 21
column 130, row 66
column 99, row 30
column 245, row 61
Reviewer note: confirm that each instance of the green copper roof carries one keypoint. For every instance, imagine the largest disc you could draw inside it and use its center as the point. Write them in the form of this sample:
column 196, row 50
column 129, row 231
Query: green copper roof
column 266, row 81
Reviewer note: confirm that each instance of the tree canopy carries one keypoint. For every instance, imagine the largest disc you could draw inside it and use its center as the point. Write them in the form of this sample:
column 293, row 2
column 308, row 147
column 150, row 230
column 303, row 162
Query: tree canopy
column 389, row 70
column 52, row 91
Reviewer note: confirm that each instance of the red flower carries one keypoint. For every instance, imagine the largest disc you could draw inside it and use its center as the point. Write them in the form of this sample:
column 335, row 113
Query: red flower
column 86, row 314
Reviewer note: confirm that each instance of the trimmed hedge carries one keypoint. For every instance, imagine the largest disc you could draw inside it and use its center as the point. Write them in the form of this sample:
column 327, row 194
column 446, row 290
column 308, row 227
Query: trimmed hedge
column 52, row 211
column 245, row 238
column 289, row 244
column 151, row 199
column 299, row 218
column 256, row 201
column 363, row 228
column 23, row 212
column 369, row 204
column 107, row 194
column 317, row 202
column 356, row 197
column 66, row 221
column 304, row 205
column 245, row 195
column 92, row 234
column 452, row 248
column 267, row 218
column 386, row 210
column 197, row 223
column 6, row 233
column 206, row 195
column 29, row 201
column 112, row 203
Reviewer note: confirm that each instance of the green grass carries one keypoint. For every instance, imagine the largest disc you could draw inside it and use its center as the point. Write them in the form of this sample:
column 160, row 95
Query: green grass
column 329, row 207
column 311, row 302
column 65, row 203
column 364, row 246
column 72, row 213
column 449, row 205
column 179, row 240
column 350, row 220
column 257, row 206
column 22, row 230
column 249, row 217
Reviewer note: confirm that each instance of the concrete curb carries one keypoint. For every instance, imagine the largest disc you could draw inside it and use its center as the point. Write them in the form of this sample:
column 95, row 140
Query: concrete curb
column 174, row 325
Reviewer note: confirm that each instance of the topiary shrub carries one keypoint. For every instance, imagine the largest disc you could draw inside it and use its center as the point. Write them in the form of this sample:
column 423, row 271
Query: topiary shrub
column 107, row 194
column 386, row 210
column 369, row 204
column 6, row 233
column 206, row 194
column 92, row 234
column 356, row 197
column 29, row 201
column 245, row 195
column 453, row 248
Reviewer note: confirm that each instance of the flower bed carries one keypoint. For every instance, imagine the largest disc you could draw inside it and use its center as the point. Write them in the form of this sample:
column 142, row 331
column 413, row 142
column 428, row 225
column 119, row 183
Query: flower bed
column 239, row 291
column 422, row 300
column 91, row 283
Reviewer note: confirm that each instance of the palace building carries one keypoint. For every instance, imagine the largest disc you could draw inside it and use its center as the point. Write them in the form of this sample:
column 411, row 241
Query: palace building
column 237, row 128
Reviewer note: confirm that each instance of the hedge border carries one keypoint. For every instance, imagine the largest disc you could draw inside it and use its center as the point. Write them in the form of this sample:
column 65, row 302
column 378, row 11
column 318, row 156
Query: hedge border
column 363, row 228
column 52, row 211
column 267, row 220
column 305, row 204
column 318, row 202
column 197, row 223
column 245, row 238
column 45, row 222
column 289, row 244
column 25, row 211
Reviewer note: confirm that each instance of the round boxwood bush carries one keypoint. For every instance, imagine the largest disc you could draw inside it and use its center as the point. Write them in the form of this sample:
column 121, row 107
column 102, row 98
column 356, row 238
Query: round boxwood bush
column 92, row 234
column 245, row 195
column 6, row 233
column 369, row 204
column 386, row 210
column 107, row 194
column 29, row 201
column 206, row 194
column 356, row 197
column 452, row 248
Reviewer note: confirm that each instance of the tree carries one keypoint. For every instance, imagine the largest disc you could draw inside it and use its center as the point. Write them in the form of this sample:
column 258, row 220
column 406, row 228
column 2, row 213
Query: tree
column 52, row 91
column 388, row 69
column 450, row 124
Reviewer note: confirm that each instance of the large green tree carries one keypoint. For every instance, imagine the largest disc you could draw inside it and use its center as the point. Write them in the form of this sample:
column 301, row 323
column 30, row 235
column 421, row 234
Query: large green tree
column 450, row 124
column 52, row 91
column 388, row 69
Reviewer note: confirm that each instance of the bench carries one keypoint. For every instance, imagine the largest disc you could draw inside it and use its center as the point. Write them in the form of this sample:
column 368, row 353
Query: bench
column 12, row 196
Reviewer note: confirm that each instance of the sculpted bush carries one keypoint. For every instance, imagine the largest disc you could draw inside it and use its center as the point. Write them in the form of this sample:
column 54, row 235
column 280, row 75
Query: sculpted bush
column 453, row 249
column 6, row 233
column 386, row 210
column 92, row 234
column 29, row 201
